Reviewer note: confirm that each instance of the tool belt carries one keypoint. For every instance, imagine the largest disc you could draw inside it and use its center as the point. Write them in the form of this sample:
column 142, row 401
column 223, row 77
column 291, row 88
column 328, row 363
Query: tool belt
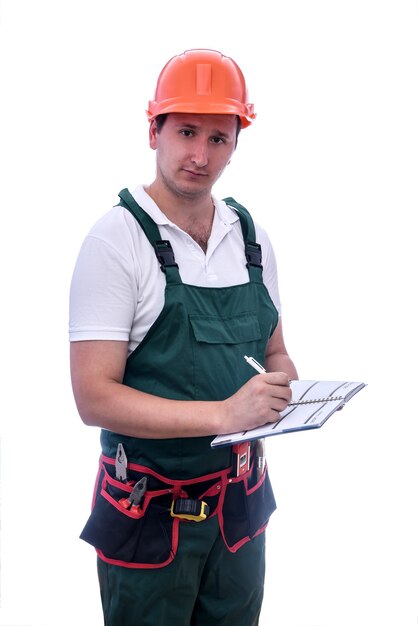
column 143, row 532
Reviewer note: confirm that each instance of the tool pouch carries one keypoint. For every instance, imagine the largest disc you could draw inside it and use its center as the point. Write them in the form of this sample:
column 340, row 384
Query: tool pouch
column 245, row 510
column 146, row 537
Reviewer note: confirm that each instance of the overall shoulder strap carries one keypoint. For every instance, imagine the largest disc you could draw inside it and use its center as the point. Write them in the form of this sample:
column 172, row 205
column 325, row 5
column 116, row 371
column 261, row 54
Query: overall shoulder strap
column 162, row 247
column 252, row 248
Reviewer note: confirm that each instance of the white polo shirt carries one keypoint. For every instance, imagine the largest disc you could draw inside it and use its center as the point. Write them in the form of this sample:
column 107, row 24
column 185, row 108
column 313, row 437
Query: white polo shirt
column 117, row 289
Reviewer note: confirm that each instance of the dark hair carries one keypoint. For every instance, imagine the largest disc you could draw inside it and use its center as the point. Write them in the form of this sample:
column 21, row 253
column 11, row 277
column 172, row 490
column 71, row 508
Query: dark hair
column 160, row 121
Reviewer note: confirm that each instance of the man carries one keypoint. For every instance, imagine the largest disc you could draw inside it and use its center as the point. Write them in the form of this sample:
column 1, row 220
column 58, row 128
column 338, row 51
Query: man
column 168, row 295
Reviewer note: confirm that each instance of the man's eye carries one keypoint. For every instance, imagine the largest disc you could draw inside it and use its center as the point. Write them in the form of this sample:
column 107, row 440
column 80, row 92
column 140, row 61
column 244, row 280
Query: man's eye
column 186, row 132
column 217, row 140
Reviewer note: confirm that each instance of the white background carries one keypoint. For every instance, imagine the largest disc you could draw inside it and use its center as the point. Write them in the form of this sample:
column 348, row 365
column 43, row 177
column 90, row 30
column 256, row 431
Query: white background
column 330, row 168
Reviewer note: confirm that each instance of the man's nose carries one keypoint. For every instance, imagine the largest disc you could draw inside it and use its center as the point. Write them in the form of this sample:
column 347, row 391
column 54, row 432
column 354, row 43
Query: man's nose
column 200, row 154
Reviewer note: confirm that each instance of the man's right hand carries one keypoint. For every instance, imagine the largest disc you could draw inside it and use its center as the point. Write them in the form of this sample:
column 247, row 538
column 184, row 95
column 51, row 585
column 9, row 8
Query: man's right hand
column 257, row 402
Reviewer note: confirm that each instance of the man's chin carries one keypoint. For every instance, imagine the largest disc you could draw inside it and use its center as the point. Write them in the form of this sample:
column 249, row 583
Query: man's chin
column 192, row 190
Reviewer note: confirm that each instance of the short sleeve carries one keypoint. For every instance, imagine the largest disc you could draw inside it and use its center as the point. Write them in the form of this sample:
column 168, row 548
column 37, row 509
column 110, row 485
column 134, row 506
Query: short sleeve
column 103, row 291
column 270, row 277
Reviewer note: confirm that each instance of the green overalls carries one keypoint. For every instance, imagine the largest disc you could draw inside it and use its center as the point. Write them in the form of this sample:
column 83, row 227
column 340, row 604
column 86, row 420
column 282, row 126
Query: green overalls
column 158, row 569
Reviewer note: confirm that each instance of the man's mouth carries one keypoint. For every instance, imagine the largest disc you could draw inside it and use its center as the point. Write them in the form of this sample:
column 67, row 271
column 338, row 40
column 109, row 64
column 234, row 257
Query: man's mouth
column 194, row 173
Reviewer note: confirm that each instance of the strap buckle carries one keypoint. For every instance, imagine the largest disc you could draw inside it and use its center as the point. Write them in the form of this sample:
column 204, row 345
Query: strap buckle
column 253, row 253
column 189, row 509
column 165, row 254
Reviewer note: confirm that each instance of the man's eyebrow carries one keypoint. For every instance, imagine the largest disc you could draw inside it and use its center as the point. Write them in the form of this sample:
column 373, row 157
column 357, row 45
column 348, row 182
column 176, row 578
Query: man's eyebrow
column 218, row 133
column 191, row 126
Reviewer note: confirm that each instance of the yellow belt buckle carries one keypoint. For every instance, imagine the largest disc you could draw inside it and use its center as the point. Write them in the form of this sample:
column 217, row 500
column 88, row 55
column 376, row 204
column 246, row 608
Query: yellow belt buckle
column 188, row 509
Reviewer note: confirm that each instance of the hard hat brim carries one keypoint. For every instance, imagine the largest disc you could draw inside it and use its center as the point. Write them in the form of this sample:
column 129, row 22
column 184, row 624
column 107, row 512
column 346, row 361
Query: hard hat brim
column 226, row 107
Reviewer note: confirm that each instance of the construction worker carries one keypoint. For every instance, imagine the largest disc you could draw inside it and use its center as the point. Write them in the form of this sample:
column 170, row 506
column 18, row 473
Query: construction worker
column 171, row 289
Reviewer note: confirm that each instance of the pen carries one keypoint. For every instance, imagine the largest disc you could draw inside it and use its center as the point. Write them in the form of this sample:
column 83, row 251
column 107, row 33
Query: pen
column 255, row 364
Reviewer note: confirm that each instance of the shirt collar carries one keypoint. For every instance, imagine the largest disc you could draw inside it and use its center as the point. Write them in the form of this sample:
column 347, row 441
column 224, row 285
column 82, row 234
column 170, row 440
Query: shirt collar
column 223, row 213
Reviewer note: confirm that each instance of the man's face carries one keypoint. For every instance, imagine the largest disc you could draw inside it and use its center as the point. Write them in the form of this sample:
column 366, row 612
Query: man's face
column 193, row 151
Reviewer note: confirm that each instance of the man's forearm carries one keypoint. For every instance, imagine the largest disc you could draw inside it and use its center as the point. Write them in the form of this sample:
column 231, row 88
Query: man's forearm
column 104, row 401
column 281, row 363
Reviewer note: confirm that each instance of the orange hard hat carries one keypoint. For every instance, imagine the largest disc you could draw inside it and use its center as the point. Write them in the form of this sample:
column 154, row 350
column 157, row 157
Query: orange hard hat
column 201, row 81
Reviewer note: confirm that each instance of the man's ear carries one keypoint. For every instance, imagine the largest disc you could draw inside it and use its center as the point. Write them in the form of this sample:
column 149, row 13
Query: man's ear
column 153, row 135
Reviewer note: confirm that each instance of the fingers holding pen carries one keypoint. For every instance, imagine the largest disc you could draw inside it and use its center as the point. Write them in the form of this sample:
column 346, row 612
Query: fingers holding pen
column 260, row 400
column 278, row 379
column 273, row 388
column 281, row 381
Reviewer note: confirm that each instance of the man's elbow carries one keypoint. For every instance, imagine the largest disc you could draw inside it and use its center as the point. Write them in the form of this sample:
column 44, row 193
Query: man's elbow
column 87, row 411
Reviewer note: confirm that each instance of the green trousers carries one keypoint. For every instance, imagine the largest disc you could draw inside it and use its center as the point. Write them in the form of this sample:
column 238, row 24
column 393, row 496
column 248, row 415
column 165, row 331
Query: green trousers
column 205, row 585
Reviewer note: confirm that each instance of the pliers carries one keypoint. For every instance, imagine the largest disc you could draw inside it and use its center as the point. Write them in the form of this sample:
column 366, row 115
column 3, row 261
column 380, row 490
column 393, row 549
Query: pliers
column 121, row 464
column 133, row 501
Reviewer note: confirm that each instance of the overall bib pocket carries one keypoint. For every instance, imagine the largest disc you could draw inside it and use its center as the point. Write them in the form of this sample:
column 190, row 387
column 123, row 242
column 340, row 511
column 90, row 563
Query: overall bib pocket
column 224, row 341
column 225, row 330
